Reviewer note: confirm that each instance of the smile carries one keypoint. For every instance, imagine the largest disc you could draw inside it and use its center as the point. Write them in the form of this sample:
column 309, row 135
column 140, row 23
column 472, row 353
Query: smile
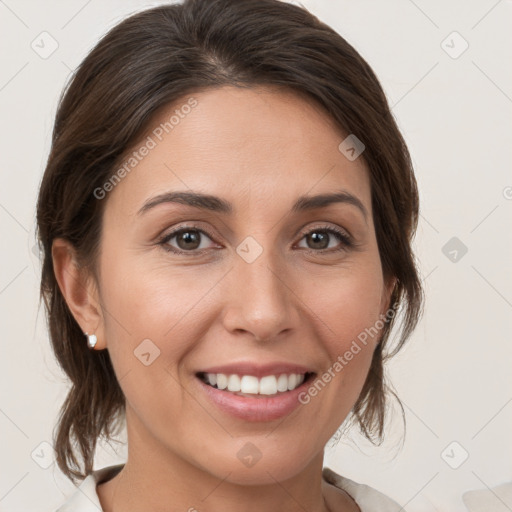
column 250, row 385
column 249, row 398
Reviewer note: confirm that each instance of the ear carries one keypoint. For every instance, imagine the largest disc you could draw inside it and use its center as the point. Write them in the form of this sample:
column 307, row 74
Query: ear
column 79, row 290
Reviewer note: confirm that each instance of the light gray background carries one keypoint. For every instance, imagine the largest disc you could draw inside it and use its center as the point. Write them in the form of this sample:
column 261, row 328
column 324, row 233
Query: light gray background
column 454, row 376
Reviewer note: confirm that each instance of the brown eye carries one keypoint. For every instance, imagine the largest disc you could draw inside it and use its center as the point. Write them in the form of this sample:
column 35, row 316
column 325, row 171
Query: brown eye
column 186, row 240
column 319, row 239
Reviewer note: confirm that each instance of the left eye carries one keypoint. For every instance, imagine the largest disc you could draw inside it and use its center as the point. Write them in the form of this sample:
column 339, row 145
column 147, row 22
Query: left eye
column 321, row 237
column 188, row 239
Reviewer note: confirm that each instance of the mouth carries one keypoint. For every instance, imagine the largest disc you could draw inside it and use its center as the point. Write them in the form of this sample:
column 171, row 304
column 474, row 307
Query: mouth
column 250, row 386
column 255, row 399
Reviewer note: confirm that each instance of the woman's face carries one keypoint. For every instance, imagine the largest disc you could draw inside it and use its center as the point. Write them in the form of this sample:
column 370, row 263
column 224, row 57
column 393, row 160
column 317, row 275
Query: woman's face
column 258, row 282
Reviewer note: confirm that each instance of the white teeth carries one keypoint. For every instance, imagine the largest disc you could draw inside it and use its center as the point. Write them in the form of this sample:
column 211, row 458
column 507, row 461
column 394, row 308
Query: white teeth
column 222, row 380
column 282, row 383
column 292, row 381
column 268, row 385
column 234, row 383
column 249, row 384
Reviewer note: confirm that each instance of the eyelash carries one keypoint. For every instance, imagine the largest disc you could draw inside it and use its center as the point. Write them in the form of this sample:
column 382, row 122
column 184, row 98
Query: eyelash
column 346, row 240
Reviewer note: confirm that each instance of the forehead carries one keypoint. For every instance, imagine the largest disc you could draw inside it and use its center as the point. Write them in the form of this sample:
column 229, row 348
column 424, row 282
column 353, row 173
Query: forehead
column 270, row 144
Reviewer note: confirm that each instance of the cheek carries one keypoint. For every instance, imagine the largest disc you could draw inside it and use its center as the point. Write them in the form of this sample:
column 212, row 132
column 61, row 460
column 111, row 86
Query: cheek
column 156, row 303
column 347, row 308
column 148, row 331
column 349, row 303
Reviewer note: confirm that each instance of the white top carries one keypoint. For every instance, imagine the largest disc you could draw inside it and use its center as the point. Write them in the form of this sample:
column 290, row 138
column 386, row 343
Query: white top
column 495, row 499
column 85, row 498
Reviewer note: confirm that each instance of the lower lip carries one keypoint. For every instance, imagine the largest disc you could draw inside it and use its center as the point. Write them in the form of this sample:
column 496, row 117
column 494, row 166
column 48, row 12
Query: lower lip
column 258, row 408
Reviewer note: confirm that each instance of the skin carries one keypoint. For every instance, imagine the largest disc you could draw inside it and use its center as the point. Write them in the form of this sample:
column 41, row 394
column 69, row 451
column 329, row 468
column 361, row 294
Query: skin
column 260, row 149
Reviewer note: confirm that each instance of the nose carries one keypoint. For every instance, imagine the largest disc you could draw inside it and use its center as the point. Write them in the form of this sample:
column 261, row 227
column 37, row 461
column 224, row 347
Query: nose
column 259, row 300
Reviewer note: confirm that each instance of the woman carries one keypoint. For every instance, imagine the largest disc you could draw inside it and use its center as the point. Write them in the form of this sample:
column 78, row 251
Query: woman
column 226, row 216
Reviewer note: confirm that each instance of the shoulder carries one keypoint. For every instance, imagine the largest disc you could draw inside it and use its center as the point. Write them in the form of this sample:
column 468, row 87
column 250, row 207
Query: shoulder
column 367, row 498
column 485, row 500
column 85, row 497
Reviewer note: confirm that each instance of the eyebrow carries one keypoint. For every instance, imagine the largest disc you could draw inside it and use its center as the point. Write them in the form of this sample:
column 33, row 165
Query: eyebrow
column 219, row 205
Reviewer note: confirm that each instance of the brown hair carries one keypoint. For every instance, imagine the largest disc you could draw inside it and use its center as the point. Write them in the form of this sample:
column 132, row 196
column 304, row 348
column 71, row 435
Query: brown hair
column 150, row 60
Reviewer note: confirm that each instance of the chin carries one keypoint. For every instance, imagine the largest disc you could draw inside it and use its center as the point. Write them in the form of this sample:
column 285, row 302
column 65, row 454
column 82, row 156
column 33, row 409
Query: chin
column 249, row 467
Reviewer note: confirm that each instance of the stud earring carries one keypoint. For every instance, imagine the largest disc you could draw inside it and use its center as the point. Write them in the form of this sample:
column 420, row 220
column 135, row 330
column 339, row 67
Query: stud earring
column 91, row 340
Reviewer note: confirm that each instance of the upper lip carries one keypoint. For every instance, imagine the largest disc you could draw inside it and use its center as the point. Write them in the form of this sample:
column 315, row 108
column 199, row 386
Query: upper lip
column 257, row 370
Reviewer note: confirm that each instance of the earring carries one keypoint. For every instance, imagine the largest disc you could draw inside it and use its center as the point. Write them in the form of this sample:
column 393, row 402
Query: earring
column 91, row 340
